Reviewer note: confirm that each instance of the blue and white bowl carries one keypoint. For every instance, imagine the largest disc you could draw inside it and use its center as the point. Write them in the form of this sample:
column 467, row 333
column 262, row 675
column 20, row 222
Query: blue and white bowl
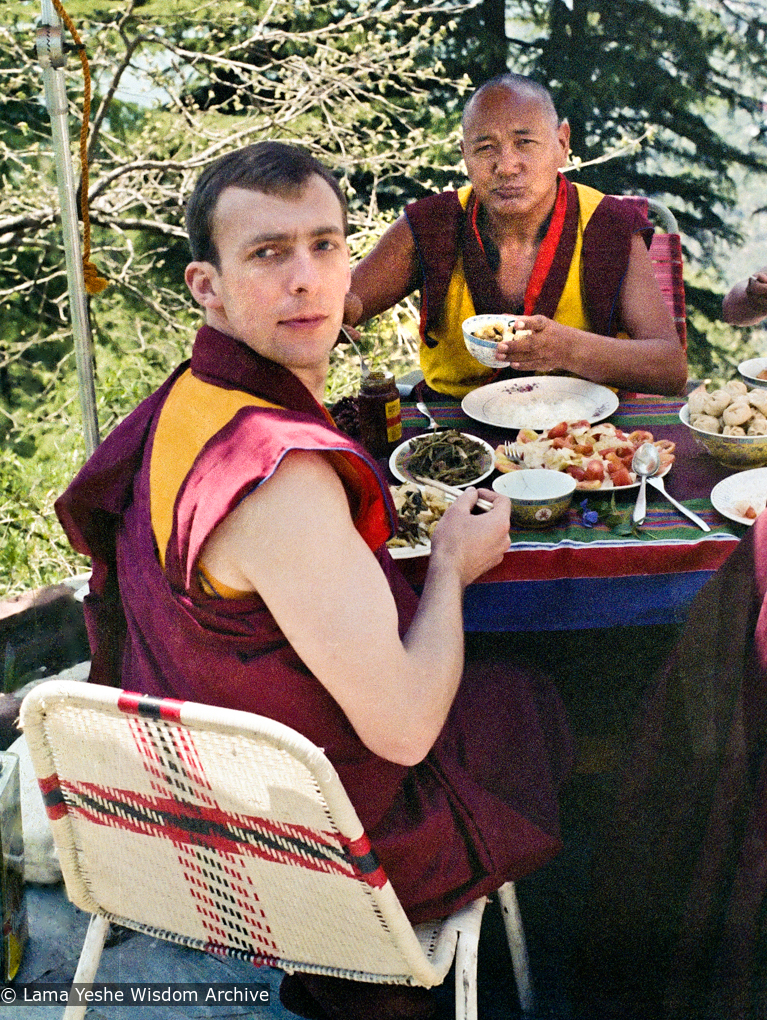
column 484, row 350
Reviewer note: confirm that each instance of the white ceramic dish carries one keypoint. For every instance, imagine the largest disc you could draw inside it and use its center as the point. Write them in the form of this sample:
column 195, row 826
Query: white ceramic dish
column 482, row 350
column 539, row 497
column 400, row 457
column 750, row 371
column 539, row 402
column 409, row 552
column 746, row 486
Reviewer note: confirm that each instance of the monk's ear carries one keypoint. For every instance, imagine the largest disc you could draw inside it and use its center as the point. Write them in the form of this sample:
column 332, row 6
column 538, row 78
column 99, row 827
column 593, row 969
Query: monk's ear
column 202, row 281
column 563, row 134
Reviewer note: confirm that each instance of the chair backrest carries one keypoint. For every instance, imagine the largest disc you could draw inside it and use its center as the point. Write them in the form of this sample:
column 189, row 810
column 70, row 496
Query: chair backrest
column 666, row 257
column 217, row 829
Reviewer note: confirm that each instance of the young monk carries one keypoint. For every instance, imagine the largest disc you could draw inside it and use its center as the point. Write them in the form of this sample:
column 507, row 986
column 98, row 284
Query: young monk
column 571, row 263
column 247, row 536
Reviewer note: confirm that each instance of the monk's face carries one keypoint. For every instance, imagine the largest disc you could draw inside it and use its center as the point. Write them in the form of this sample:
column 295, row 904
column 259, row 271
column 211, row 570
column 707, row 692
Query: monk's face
column 282, row 276
column 513, row 147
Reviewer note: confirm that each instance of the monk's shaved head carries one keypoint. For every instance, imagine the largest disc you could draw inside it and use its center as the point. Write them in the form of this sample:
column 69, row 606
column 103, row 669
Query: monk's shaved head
column 516, row 85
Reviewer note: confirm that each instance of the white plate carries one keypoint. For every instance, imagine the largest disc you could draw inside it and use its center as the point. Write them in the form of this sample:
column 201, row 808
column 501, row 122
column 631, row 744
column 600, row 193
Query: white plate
column 400, row 457
column 539, row 402
column 612, row 488
column 409, row 552
column 750, row 370
column 745, row 485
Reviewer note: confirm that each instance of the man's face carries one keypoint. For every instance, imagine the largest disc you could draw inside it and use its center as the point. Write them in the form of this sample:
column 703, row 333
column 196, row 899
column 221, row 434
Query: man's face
column 513, row 147
column 282, row 276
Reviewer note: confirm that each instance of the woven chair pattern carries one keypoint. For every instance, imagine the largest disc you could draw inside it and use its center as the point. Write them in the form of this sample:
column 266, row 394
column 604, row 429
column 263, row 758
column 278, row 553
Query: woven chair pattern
column 666, row 257
column 181, row 821
column 667, row 262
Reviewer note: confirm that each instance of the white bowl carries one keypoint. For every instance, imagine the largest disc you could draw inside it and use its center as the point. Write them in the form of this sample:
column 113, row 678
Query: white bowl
column 750, row 371
column 539, row 496
column 484, row 350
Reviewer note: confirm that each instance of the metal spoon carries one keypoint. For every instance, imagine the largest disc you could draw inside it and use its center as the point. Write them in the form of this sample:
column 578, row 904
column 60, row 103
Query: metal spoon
column 433, row 423
column 645, row 462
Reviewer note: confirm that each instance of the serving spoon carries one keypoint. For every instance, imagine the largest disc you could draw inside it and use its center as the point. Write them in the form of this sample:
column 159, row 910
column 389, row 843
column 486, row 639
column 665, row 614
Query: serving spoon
column 644, row 463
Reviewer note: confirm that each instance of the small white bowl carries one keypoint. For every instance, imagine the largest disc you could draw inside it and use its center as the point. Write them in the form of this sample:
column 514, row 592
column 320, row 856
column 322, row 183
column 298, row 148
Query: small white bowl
column 750, row 371
column 484, row 350
column 539, row 496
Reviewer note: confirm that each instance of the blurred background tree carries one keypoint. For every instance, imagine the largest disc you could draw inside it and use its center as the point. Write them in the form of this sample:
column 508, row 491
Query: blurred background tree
column 375, row 89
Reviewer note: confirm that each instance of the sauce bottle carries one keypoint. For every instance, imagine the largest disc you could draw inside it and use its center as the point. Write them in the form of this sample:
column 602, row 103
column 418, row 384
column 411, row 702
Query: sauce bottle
column 380, row 413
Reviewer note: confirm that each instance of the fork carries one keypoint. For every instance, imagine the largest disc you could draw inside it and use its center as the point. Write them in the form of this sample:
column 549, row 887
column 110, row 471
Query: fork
column 364, row 366
column 512, row 453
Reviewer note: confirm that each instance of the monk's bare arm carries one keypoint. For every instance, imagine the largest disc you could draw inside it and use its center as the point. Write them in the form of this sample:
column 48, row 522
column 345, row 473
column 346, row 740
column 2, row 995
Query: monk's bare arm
column 293, row 541
column 385, row 276
column 746, row 303
column 650, row 360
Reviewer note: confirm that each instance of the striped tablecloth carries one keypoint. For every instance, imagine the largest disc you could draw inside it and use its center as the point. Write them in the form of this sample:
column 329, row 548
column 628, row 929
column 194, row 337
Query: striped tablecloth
column 572, row 576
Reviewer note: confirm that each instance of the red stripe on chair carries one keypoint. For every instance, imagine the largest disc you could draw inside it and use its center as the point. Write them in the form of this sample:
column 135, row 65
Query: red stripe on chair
column 666, row 257
column 365, row 862
column 53, row 798
column 151, row 708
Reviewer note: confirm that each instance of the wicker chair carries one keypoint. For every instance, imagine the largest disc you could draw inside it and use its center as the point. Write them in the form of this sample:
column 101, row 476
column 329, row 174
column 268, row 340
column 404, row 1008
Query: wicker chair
column 666, row 258
column 230, row 833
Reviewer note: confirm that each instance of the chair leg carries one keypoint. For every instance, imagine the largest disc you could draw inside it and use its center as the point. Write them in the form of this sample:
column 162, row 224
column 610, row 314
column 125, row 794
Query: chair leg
column 515, row 935
column 88, row 963
column 466, row 954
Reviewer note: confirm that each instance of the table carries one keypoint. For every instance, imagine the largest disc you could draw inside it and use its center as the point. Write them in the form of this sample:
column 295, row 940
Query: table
column 572, row 577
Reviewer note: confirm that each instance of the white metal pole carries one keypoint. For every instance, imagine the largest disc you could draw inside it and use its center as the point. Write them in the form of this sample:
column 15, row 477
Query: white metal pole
column 51, row 57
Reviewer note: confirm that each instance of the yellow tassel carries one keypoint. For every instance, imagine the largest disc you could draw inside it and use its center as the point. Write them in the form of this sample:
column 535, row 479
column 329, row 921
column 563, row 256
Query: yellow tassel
column 94, row 283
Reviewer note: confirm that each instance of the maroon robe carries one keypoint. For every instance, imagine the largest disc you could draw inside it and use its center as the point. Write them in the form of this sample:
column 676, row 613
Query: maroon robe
column 479, row 810
column 678, row 922
column 442, row 229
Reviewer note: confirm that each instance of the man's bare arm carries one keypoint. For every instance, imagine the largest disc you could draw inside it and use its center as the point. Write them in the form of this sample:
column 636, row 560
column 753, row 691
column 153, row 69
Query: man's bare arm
column 293, row 541
column 651, row 360
column 746, row 303
column 385, row 276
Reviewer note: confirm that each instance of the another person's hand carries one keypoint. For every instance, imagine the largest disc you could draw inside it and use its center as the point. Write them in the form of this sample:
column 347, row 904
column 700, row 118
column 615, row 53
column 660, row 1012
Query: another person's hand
column 745, row 304
column 542, row 347
column 474, row 542
column 756, row 292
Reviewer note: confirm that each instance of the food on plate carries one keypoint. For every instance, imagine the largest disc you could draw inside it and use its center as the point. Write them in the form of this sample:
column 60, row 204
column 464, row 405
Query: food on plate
column 730, row 410
column 597, row 456
column 498, row 331
column 749, row 508
column 449, row 456
column 419, row 508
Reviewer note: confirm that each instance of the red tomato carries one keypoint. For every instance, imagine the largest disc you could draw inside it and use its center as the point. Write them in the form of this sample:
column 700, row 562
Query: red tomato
column 595, row 470
column 557, row 431
column 622, row 477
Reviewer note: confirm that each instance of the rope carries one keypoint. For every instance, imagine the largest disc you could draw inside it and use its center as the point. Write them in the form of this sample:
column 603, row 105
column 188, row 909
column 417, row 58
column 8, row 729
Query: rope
column 94, row 283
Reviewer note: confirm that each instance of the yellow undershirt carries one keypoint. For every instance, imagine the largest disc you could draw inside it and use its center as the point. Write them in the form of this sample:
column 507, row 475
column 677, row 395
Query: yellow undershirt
column 448, row 367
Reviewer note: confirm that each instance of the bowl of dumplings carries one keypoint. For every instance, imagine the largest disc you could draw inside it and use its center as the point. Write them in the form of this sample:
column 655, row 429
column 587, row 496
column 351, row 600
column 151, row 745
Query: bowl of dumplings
column 730, row 422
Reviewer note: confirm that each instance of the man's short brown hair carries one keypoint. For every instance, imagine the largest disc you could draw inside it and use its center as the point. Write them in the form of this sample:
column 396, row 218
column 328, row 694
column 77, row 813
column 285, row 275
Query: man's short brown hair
column 274, row 168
